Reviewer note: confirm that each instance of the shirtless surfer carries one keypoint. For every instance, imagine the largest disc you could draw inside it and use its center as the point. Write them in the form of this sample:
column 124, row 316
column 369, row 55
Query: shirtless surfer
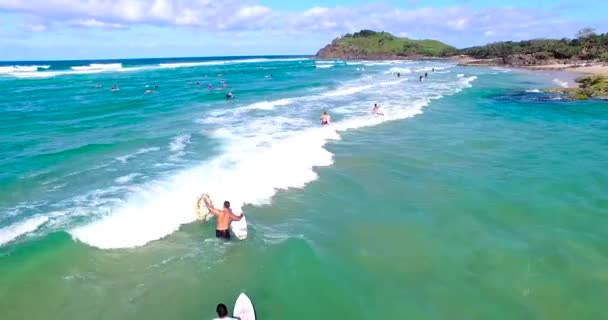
column 325, row 119
column 224, row 217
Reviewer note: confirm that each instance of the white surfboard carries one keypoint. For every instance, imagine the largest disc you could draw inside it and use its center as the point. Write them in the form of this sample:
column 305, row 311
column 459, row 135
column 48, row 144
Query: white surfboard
column 239, row 228
column 201, row 211
column 243, row 308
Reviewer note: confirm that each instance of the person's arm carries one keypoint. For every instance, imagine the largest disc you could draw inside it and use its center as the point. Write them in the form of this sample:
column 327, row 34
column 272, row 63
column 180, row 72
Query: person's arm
column 212, row 209
column 234, row 217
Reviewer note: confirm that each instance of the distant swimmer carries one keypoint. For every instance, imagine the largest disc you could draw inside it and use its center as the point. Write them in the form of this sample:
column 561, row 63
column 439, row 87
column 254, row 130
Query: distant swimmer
column 229, row 95
column 224, row 217
column 426, row 75
column 210, row 86
column 268, row 76
column 114, row 88
column 325, row 119
column 376, row 110
column 398, row 74
column 198, row 84
column 421, row 78
column 155, row 86
column 148, row 91
column 433, row 69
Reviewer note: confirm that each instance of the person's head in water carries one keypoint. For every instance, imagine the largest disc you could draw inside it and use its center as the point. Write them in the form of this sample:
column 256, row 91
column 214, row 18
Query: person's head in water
column 227, row 204
column 324, row 113
column 221, row 310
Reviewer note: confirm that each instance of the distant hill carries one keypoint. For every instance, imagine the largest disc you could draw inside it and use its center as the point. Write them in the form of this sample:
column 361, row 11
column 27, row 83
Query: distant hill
column 368, row 44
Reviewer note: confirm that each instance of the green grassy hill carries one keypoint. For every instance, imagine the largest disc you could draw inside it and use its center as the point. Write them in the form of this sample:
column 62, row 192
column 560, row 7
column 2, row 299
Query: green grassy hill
column 371, row 44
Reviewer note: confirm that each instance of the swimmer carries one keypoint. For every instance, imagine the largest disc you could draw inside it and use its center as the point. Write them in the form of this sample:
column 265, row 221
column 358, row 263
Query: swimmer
column 114, row 87
column 426, row 75
column 376, row 110
column 325, row 119
column 148, row 91
column 398, row 74
column 421, row 78
column 210, row 86
column 229, row 96
column 433, row 69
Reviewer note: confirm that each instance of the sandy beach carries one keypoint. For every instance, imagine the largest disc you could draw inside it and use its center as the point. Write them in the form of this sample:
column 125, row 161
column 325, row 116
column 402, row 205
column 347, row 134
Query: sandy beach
column 597, row 68
column 589, row 68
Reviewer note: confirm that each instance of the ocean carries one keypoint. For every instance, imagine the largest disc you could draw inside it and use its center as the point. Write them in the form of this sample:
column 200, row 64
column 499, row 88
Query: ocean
column 474, row 195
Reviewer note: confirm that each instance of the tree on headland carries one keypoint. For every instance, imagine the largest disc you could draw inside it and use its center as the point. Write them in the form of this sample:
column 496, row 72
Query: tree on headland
column 585, row 33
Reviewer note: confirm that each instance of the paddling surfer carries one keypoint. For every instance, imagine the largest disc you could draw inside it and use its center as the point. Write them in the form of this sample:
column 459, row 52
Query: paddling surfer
column 224, row 217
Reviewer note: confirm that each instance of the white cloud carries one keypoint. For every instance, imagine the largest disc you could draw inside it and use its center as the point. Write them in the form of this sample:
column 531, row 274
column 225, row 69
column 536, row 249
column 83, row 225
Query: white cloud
column 35, row 27
column 208, row 14
column 93, row 23
column 455, row 24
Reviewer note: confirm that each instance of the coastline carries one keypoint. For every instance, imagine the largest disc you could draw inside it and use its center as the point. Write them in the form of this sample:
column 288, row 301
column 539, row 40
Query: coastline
column 584, row 68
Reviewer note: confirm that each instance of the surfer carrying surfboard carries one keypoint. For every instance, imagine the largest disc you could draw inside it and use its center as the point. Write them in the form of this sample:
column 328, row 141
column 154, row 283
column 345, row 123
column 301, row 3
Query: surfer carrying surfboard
column 224, row 217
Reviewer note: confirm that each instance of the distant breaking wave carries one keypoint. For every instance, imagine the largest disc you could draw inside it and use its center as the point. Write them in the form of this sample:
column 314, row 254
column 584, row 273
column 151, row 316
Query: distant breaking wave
column 37, row 71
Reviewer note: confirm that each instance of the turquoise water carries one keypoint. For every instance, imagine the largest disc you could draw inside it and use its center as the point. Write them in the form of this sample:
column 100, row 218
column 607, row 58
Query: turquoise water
column 473, row 197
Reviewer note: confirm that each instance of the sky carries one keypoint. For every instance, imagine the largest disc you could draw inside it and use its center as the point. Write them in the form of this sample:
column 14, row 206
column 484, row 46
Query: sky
column 97, row 29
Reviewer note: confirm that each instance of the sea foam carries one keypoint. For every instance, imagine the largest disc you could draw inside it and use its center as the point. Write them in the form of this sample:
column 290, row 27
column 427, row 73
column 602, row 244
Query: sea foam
column 263, row 155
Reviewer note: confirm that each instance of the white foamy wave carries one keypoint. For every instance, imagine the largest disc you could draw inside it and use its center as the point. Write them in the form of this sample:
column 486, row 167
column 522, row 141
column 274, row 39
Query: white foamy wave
column 191, row 64
column 225, row 62
column 128, row 178
column 12, row 232
column 266, row 154
column 324, row 66
column 15, row 69
column 126, row 158
column 269, row 105
column 561, row 83
column 398, row 70
column 98, row 67
column 347, row 90
column 533, row 91
column 373, row 64
column 503, row 70
column 248, row 174
column 178, row 146
column 460, row 75
column 179, row 143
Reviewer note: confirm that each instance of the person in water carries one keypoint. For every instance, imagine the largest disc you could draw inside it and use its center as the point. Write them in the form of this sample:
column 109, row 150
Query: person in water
column 376, row 110
column 421, row 78
column 433, row 70
column 325, row 119
column 426, row 75
column 224, row 217
column 229, row 96
column 222, row 312
column 398, row 74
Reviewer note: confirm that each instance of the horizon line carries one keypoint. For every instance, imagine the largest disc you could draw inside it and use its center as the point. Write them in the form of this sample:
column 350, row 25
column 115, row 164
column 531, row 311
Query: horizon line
column 166, row 57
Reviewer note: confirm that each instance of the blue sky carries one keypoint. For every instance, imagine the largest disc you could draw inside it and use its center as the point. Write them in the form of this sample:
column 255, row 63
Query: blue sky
column 94, row 29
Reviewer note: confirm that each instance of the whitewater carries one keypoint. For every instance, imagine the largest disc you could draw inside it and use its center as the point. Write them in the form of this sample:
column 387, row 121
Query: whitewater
column 262, row 143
